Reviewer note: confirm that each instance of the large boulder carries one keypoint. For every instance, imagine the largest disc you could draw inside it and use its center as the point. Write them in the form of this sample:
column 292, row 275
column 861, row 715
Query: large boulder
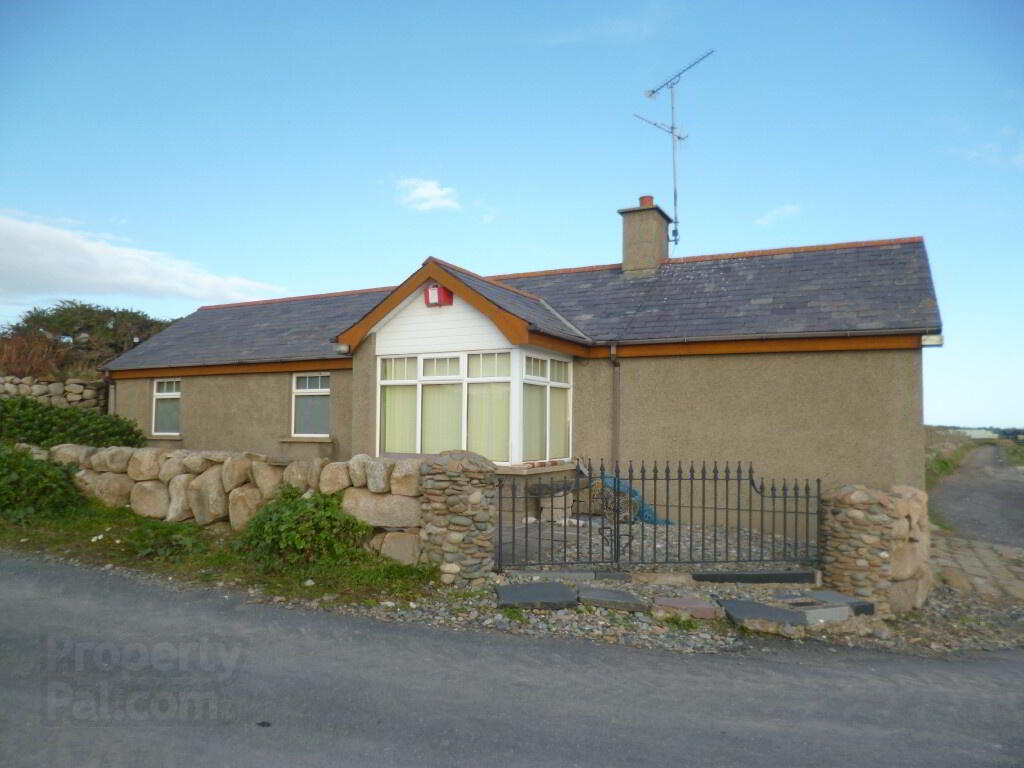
column 405, row 477
column 113, row 489
column 71, row 453
column 296, row 474
column 85, row 481
column 145, row 463
column 150, row 498
column 403, row 547
column 235, row 473
column 382, row 510
column 112, row 459
column 357, row 469
column 206, row 496
column 378, row 474
column 911, row 593
column 171, row 467
column 334, row 477
column 243, row 502
column 266, row 477
column 196, row 463
column 179, row 508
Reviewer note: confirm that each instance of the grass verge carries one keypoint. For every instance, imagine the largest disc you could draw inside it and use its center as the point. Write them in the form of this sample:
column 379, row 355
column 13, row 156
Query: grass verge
column 98, row 535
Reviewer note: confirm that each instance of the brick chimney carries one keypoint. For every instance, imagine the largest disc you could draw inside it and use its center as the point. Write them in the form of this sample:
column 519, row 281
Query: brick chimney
column 644, row 238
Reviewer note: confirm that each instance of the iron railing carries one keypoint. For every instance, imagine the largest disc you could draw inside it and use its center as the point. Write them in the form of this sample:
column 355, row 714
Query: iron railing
column 654, row 515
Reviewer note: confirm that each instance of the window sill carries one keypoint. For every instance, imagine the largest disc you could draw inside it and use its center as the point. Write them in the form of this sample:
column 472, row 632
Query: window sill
column 305, row 440
column 507, row 469
column 177, row 438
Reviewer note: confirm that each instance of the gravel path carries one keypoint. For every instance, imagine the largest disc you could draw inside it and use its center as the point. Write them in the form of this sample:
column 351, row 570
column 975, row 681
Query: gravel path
column 984, row 499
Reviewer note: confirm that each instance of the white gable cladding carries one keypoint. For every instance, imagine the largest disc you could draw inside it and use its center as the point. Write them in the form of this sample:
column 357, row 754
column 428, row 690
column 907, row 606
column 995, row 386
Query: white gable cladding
column 414, row 329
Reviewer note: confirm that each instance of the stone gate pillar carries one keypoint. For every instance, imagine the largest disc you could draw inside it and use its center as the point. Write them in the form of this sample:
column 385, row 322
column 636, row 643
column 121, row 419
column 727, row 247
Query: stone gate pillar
column 459, row 513
column 875, row 545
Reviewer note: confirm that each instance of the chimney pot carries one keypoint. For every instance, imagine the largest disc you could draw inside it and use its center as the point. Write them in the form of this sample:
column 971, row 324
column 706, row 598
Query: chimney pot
column 647, row 201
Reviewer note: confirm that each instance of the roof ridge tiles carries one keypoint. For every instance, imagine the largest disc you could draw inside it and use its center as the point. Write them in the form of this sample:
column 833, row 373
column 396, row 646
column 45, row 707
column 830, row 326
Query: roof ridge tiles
column 299, row 298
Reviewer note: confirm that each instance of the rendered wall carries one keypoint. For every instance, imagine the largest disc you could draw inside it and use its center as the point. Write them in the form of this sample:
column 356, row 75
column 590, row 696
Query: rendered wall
column 241, row 412
column 839, row 416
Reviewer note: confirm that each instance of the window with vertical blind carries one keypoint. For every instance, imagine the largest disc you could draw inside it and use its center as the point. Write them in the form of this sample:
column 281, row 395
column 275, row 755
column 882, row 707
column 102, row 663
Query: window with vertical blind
column 311, row 405
column 509, row 406
column 167, row 407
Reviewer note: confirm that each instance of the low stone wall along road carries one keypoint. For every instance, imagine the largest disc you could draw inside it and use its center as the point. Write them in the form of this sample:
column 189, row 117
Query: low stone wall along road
column 100, row 669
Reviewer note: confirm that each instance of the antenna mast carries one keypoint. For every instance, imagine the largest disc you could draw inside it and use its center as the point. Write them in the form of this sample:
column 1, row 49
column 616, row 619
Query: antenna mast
column 673, row 131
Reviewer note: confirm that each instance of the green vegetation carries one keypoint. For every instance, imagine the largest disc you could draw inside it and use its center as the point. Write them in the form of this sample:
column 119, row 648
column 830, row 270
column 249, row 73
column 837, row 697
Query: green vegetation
column 24, row 420
column 71, row 339
column 294, row 531
column 289, row 543
column 514, row 614
column 1014, row 452
column 32, row 489
column 678, row 623
column 938, row 465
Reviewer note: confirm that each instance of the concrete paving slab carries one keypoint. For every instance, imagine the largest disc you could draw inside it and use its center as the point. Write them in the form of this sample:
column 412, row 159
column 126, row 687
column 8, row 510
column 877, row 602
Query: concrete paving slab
column 690, row 606
column 544, row 595
column 612, row 599
column 858, row 605
column 745, row 610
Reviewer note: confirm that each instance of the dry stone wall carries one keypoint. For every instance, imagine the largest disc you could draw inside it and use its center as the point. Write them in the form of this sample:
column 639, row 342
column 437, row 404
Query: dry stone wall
column 875, row 545
column 452, row 493
column 69, row 393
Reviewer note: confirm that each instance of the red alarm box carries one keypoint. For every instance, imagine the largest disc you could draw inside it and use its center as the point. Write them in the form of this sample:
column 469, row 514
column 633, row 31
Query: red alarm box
column 435, row 295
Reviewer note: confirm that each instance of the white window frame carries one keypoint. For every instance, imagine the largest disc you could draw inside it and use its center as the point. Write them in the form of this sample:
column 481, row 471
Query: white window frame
column 515, row 379
column 296, row 392
column 165, row 396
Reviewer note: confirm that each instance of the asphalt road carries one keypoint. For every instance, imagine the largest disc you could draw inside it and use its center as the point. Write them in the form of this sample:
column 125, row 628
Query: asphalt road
column 984, row 498
column 81, row 645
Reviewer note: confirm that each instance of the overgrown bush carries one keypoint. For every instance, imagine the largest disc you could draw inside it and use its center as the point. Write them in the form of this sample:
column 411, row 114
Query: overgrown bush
column 32, row 488
column 24, row 420
column 291, row 530
column 157, row 540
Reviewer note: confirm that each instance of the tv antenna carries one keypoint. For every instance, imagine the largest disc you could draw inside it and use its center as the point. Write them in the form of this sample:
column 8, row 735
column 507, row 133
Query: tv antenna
column 673, row 131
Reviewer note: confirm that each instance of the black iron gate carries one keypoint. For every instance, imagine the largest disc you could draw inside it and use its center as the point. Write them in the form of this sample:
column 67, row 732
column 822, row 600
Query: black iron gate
column 663, row 514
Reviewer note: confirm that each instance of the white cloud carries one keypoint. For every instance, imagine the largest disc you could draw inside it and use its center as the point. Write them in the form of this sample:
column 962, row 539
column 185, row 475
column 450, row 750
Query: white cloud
column 776, row 214
column 426, row 195
column 39, row 258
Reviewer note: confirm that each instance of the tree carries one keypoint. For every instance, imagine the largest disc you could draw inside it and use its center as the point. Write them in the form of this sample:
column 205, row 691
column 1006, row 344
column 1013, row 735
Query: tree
column 72, row 338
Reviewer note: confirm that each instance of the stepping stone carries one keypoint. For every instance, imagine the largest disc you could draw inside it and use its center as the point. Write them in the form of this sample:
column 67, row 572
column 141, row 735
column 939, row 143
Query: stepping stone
column 544, row 595
column 690, row 606
column 858, row 605
column 740, row 611
column 612, row 599
column 573, row 577
column 662, row 578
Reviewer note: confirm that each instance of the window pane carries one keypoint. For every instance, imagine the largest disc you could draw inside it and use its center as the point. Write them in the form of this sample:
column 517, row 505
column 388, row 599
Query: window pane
column 534, row 421
column 503, row 364
column 559, row 426
column 312, row 414
column 398, row 368
column 398, row 419
column 535, row 366
column 168, row 387
column 325, row 382
column 167, row 415
column 488, row 420
column 430, row 367
column 441, row 428
column 560, row 371
column 473, row 366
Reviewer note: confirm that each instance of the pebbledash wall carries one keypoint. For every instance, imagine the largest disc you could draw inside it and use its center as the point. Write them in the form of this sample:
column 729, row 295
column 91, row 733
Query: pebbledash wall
column 838, row 416
column 425, row 509
column 60, row 393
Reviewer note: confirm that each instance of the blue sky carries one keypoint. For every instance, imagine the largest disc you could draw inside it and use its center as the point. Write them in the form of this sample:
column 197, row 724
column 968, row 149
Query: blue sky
column 163, row 155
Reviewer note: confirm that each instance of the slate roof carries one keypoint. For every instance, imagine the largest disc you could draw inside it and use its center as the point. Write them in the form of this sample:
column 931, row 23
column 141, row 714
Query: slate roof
column 844, row 289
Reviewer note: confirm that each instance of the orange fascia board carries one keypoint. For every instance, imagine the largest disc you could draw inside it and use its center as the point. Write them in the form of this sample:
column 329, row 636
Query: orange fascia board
column 513, row 328
column 731, row 347
column 295, row 366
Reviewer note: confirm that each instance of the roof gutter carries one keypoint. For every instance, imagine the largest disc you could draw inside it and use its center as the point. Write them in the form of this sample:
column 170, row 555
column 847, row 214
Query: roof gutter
column 765, row 336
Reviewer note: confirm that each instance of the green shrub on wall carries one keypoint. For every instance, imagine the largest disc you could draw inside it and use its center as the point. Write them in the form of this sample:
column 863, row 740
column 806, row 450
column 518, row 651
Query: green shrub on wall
column 31, row 488
column 24, row 420
column 291, row 530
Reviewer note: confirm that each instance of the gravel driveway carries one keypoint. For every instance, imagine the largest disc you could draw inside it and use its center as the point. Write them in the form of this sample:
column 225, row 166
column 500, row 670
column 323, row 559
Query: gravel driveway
column 984, row 499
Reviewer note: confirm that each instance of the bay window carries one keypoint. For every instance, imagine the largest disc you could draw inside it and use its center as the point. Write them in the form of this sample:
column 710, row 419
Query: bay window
column 505, row 405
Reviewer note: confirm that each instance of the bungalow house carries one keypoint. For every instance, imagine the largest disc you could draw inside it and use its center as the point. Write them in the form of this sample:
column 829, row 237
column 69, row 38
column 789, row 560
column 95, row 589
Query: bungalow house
column 805, row 361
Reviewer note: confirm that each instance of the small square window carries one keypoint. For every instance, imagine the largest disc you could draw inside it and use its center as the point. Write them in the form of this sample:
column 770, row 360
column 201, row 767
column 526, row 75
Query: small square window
column 560, row 371
column 537, row 367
